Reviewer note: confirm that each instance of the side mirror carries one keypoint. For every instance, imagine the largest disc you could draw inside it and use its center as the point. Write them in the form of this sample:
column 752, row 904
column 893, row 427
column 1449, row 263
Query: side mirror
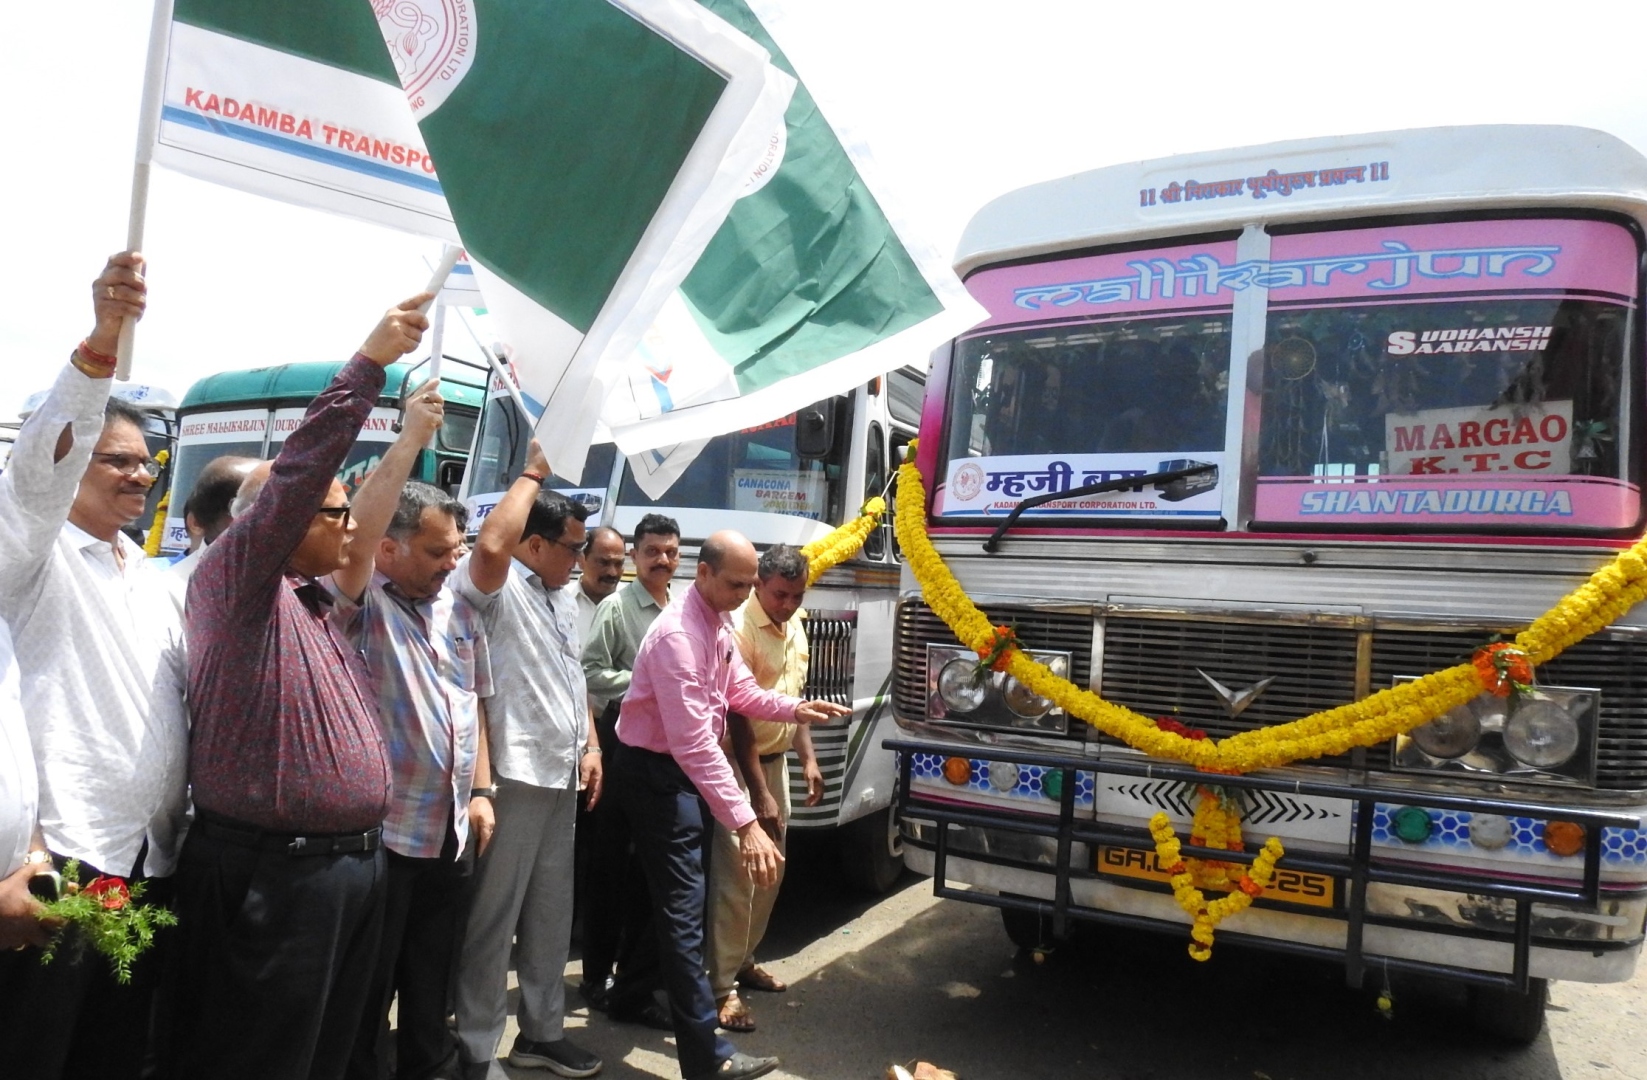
column 815, row 431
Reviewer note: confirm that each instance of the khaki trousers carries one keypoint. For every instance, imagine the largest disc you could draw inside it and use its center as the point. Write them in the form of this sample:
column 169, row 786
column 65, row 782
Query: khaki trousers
column 738, row 911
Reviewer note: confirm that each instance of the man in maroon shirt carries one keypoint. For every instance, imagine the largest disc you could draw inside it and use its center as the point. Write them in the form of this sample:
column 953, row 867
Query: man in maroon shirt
column 281, row 883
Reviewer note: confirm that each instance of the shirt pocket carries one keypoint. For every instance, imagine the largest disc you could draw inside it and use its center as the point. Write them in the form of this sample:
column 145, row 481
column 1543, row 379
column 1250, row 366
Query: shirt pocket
column 462, row 661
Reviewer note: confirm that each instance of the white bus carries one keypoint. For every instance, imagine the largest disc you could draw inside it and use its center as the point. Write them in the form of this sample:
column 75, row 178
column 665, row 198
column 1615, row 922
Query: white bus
column 789, row 481
column 1352, row 406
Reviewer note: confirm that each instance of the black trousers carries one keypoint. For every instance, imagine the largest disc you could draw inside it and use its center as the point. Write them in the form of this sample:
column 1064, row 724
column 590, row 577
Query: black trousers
column 617, row 911
column 668, row 820
column 423, row 914
column 277, row 958
column 70, row 1018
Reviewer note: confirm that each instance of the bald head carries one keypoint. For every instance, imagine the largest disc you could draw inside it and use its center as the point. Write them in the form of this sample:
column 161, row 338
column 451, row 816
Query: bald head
column 250, row 487
column 208, row 505
column 727, row 570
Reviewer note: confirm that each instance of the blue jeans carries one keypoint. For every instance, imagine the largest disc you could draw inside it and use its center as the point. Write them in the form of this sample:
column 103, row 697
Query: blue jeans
column 668, row 822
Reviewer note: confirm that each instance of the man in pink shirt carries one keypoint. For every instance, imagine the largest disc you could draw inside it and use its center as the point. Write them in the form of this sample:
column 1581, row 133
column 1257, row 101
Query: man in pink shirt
column 687, row 673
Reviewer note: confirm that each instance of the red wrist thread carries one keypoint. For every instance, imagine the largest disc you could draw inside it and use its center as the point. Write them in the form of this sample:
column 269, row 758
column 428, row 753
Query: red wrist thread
column 92, row 356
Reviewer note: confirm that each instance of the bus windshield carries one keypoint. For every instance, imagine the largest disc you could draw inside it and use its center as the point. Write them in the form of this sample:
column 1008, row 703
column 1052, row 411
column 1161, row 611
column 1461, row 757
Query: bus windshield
column 1462, row 375
column 754, row 470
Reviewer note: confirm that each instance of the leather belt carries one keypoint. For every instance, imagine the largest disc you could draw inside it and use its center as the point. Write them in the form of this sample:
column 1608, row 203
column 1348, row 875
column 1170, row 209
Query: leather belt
column 767, row 759
column 292, row 844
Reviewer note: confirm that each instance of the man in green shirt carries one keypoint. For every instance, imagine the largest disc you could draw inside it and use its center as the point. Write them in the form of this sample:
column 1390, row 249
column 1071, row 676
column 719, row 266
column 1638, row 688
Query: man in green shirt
column 616, row 911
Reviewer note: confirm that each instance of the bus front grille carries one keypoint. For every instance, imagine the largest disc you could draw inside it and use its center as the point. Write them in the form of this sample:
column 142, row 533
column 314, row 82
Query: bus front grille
column 1154, row 664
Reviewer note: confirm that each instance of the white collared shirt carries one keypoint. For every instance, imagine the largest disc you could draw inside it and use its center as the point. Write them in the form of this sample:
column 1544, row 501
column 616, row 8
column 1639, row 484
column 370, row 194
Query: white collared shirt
column 538, row 715
column 99, row 649
column 19, row 790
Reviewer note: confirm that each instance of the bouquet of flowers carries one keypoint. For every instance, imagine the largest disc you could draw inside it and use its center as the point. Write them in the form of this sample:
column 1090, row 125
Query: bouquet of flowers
column 108, row 917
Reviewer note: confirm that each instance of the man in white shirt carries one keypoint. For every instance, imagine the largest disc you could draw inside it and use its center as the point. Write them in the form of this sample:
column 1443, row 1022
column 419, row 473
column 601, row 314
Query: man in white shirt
column 538, row 735
column 22, row 851
column 100, row 648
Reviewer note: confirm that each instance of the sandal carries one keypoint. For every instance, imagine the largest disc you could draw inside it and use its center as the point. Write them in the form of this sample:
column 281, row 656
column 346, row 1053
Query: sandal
column 733, row 1016
column 755, row 977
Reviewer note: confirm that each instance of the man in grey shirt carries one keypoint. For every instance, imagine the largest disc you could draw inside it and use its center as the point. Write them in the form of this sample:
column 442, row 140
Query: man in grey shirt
column 538, row 735
column 616, row 911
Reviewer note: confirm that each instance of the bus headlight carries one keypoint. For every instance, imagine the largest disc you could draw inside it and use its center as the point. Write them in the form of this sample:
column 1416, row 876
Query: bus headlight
column 1541, row 734
column 1023, row 701
column 1452, row 734
column 1547, row 735
column 959, row 686
column 958, row 694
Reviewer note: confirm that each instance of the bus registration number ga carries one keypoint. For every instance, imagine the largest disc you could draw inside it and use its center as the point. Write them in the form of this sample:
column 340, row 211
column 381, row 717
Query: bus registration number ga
column 1289, row 886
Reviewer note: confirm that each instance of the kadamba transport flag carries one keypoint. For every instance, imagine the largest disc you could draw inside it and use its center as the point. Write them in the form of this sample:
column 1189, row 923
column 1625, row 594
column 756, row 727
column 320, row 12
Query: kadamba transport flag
column 581, row 151
column 812, row 285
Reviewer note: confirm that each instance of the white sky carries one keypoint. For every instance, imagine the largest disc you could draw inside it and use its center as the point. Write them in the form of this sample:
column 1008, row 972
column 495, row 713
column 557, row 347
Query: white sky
column 961, row 100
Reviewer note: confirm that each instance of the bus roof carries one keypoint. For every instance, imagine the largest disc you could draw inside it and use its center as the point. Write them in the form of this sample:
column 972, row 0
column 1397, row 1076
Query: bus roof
column 300, row 383
column 1344, row 176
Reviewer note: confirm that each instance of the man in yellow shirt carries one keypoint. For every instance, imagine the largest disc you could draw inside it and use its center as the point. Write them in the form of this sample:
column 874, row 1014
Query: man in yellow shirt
column 769, row 635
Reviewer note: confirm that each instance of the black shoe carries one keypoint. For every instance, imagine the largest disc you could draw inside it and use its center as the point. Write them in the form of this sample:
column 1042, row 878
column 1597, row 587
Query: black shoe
column 741, row 1066
column 561, row 1057
column 596, row 997
column 650, row 1015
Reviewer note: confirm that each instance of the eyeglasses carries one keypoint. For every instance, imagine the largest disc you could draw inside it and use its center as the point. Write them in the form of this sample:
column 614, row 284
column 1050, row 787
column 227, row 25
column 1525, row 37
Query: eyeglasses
column 341, row 513
column 576, row 549
column 129, row 464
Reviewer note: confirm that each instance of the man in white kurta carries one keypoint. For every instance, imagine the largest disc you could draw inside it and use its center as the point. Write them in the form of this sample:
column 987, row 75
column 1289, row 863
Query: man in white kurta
column 100, row 649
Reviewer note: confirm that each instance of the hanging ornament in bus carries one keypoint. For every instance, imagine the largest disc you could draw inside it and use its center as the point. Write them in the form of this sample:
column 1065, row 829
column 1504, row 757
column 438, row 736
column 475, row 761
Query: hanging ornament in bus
column 1602, row 600
column 1292, row 358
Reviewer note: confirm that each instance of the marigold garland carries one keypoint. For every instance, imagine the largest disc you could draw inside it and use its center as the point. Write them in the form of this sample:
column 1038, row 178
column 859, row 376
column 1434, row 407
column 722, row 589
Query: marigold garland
column 1187, row 892
column 157, row 529
column 1608, row 594
column 830, row 550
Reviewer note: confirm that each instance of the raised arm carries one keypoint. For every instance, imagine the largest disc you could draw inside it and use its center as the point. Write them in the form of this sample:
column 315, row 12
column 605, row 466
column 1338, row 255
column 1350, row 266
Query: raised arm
column 53, row 447
column 500, row 533
column 255, row 549
column 374, row 504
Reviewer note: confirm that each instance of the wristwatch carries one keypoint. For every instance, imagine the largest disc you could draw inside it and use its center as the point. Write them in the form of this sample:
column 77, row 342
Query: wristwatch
column 484, row 792
column 589, row 750
column 37, row 858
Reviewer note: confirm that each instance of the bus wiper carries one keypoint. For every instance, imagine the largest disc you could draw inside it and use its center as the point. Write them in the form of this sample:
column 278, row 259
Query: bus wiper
column 1122, row 484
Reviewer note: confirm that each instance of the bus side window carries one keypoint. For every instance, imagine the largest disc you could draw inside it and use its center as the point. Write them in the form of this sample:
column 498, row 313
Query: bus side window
column 900, row 439
column 874, row 481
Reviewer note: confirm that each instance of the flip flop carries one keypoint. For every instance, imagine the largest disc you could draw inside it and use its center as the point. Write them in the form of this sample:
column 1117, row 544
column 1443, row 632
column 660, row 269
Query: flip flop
column 756, row 977
column 733, row 1016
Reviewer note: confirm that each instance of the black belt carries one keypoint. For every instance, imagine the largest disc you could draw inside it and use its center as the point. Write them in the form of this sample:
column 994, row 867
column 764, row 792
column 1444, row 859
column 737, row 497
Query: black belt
column 767, row 759
column 290, row 843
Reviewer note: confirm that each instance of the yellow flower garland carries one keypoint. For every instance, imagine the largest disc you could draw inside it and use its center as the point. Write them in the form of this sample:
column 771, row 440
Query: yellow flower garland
column 1208, row 914
column 157, row 530
column 1608, row 594
column 834, row 548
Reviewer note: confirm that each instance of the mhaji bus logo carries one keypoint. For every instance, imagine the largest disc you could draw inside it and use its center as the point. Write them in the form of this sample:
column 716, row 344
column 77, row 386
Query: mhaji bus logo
column 433, row 45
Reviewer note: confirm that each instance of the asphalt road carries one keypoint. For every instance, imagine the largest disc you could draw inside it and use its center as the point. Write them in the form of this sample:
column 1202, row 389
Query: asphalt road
column 908, row 976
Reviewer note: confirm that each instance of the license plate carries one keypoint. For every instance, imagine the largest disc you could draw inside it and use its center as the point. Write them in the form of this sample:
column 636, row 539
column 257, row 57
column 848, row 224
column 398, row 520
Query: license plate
column 1289, row 886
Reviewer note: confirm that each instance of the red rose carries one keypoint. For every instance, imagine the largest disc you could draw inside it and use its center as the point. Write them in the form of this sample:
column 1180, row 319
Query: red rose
column 112, row 892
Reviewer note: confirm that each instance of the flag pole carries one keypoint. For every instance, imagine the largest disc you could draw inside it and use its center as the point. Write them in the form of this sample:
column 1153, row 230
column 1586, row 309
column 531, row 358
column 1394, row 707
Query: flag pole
column 503, row 375
column 148, row 131
column 437, row 281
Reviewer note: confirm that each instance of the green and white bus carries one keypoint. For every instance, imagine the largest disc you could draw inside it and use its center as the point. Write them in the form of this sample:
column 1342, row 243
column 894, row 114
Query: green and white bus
column 250, row 413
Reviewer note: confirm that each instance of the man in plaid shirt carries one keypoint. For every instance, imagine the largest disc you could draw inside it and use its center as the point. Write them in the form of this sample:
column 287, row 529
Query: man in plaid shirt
column 426, row 654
